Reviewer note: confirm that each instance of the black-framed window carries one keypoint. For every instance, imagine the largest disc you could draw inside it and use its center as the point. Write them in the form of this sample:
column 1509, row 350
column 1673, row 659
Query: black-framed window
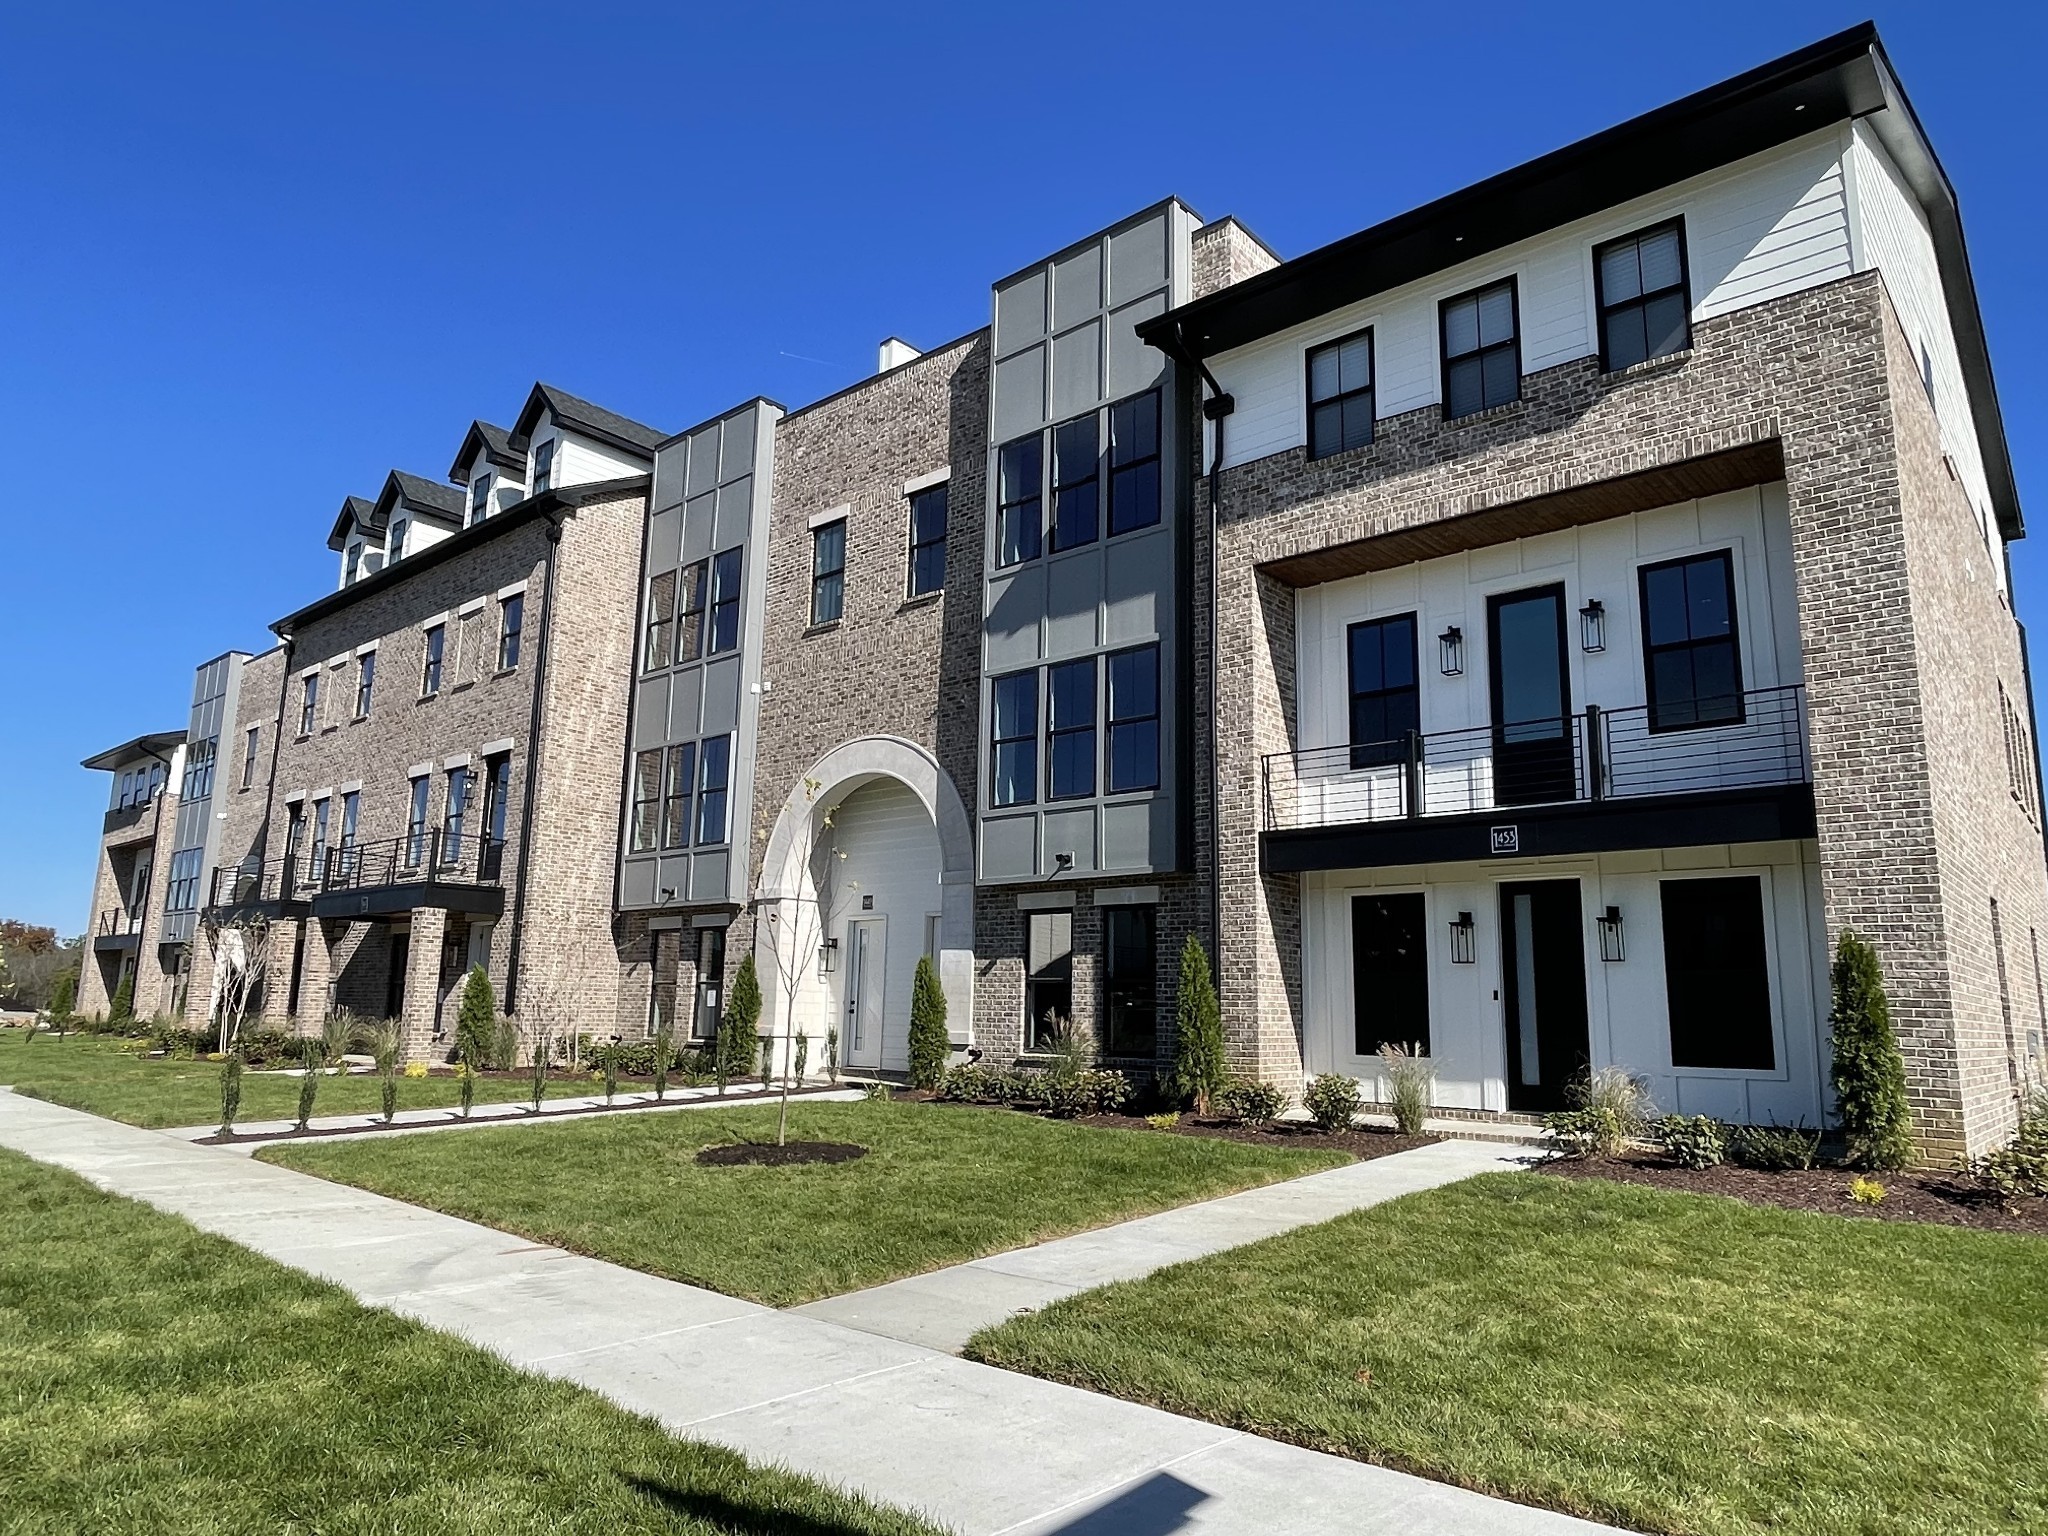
column 659, row 645
column 1482, row 349
column 543, row 465
column 353, row 567
column 511, row 620
column 1076, row 482
column 1340, row 395
column 690, row 591
column 1070, row 729
column 828, row 572
column 294, row 832
column 319, row 850
column 416, row 821
column 1133, row 756
column 1639, row 283
column 1389, row 971
column 725, row 602
column 181, row 893
column 714, row 766
column 647, row 800
column 704, row 1019
column 1020, row 480
column 1717, row 981
column 456, row 813
column 497, row 797
column 1692, row 657
column 366, row 683
column 252, row 739
column 1134, row 463
column 1386, row 693
column 430, row 669
column 1130, row 981
column 1048, row 977
column 309, row 704
column 351, row 815
column 199, row 764
column 479, row 499
column 1013, row 739
column 927, row 540
column 394, row 542
column 675, row 799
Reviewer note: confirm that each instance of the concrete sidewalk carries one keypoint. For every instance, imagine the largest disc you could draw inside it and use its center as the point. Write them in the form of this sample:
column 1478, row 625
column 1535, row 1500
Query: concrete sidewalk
column 981, row 1450
column 945, row 1307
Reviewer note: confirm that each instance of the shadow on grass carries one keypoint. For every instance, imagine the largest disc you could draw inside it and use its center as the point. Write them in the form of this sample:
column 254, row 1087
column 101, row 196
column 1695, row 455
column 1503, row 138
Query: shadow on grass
column 743, row 1517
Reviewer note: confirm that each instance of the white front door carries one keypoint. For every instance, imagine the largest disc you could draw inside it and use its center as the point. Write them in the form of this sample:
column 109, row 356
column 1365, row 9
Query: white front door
column 860, row 1033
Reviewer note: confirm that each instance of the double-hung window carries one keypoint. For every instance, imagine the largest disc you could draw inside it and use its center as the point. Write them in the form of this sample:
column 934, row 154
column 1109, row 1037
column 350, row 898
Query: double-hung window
column 647, row 800
column 416, row 822
column 1019, row 487
column 511, row 619
column 725, row 602
column 675, row 798
column 714, row 767
column 543, row 466
column 1076, row 480
column 1130, row 980
column 294, row 834
column 1134, row 463
column 251, row 741
column 1070, row 729
column 1691, row 656
column 1386, row 699
column 1639, row 282
column 1482, row 355
column 1340, row 395
column 394, row 542
column 366, row 682
column 479, row 500
column 828, row 572
column 452, row 824
column 927, row 540
column 430, row 670
column 320, row 839
column 354, row 566
column 309, row 704
column 1133, row 720
column 351, row 809
column 1013, row 739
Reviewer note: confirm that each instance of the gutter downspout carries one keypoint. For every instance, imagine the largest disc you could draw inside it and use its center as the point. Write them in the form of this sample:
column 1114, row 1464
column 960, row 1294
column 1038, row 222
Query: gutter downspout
column 540, row 683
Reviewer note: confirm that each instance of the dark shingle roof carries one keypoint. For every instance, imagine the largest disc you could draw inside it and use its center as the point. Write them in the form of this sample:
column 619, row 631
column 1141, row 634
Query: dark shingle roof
column 579, row 415
column 493, row 442
column 421, row 495
column 354, row 510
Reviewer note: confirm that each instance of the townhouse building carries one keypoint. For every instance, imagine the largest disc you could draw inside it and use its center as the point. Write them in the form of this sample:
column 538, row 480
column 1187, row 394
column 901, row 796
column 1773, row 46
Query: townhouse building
column 1529, row 630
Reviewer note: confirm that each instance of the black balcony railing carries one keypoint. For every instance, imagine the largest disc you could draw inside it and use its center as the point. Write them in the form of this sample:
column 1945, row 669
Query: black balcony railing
column 116, row 921
column 1737, row 742
column 436, row 856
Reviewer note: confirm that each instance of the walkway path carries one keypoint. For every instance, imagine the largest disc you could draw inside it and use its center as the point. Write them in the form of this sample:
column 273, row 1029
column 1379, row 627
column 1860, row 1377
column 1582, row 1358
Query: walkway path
column 986, row 1452
column 946, row 1307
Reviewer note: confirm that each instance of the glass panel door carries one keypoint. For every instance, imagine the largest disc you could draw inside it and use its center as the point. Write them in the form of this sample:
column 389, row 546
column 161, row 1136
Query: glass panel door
column 1532, row 727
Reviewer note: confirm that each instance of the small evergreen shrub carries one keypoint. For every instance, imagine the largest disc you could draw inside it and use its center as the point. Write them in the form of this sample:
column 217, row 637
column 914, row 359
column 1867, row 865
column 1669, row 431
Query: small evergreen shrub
column 1866, row 1191
column 2019, row 1169
column 803, row 1057
column 608, row 1064
column 1772, row 1148
column 504, row 1045
column 1198, row 1066
column 63, row 999
column 1868, row 1073
column 466, row 1087
column 309, row 1082
column 767, row 1059
column 1332, row 1101
column 1255, row 1104
column 929, row 1045
column 736, row 1029
column 230, row 1093
column 663, row 1050
column 476, row 1024
column 1411, row 1082
column 121, row 1009
column 1691, row 1141
column 538, row 1068
column 832, row 1055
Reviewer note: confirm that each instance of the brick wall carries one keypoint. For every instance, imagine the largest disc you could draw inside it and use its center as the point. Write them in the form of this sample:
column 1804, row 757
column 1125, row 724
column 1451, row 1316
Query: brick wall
column 1225, row 252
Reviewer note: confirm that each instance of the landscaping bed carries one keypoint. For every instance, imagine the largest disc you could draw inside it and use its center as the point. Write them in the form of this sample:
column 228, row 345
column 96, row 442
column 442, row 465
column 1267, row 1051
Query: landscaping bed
column 1359, row 1143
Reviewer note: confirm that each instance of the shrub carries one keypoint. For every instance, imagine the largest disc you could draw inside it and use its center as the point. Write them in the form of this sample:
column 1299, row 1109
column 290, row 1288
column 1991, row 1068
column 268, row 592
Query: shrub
column 1332, row 1101
column 309, row 1082
column 63, row 998
column 121, row 1010
column 1869, row 1075
column 539, row 1068
column 608, row 1065
column 736, row 1028
column 1772, row 1148
column 1610, row 1109
column 1691, row 1141
column 2019, row 1169
column 767, row 1059
column 929, row 1045
column 230, row 1093
column 415, row 1069
column 1198, row 1069
column 970, row 1083
column 341, row 1031
column 476, row 1022
column 1255, row 1104
column 1865, row 1191
column 803, row 1058
column 504, row 1045
column 878, row 1093
column 1410, row 1077
column 265, row 1047
column 468, row 1088
column 1164, row 1121
column 663, row 1049
column 832, row 1055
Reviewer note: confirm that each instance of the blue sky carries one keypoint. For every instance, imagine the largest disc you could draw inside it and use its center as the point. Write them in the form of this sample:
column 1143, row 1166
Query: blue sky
column 255, row 256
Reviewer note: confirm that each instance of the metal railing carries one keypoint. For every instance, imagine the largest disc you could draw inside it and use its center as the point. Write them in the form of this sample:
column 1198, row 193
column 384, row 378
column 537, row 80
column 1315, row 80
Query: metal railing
column 1728, row 742
column 434, row 854
column 117, row 920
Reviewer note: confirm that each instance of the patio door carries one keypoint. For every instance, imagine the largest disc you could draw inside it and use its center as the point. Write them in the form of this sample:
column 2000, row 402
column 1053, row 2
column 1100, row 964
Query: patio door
column 1543, row 991
column 860, row 1036
column 1532, row 726
column 394, row 976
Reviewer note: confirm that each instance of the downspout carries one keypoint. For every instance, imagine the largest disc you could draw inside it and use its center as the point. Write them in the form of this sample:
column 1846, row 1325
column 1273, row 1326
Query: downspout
column 540, row 683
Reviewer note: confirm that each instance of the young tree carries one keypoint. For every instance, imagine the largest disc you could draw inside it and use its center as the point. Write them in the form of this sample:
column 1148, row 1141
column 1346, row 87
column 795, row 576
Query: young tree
column 476, row 1022
column 241, row 956
column 737, row 1040
column 121, row 1008
column 664, row 1054
column 929, row 1045
column 230, row 1092
column 63, row 997
column 309, row 1081
column 1869, row 1074
column 1198, row 1068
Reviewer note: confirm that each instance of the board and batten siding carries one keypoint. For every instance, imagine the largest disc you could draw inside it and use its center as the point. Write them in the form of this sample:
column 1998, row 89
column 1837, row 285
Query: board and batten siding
column 885, row 846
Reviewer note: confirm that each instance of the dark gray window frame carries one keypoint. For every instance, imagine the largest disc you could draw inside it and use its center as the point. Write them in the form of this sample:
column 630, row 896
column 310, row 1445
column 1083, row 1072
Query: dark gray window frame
column 828, row 582
column 1369, row 390
column 1513, row 344
column 1603, row 311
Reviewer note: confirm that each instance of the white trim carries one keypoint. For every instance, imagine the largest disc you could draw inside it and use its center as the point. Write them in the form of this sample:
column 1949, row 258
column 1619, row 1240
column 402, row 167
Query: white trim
column 925, row 482
column 493, row 748
column 420, row 770
column 296, row 797
column 459, row 760
column 312, row 671
column 830, row 515
column 1127, row 896
column 470, row 609
column 1046, row 901
column 364, row 650
column 353, row 787
column 517, row 589
column 322, row 794
column 435, row 621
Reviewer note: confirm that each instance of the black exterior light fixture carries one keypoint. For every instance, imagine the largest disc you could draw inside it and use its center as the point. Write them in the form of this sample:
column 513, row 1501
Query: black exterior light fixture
column 1451, row 652
column 828, row 957
column 1610, row 935
column 1593, row 626
column 1462, row 949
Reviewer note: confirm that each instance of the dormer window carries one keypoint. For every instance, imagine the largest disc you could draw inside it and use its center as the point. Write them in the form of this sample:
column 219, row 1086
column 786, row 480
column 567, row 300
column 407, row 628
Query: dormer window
column 394, row 543
column 479, row 500
column 543, row 466
column 354, row 568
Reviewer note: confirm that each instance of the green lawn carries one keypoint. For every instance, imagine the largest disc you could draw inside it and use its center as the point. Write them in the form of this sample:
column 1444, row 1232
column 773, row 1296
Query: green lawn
column 1664, row 1361
column 154, row 1379
column 940, row 1186
column 94, row 1074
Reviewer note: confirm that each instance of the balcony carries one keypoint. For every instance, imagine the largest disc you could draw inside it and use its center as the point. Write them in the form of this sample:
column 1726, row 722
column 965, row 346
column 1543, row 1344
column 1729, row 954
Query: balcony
column 131, row 823
column 460, row 872
column 1735, row 771
column 117, row 928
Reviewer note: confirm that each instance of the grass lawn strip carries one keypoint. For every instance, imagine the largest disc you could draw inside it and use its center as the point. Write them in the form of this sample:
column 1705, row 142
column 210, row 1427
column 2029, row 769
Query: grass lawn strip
column 936, row 1188
column 153, row 1379
column 1670, row 1362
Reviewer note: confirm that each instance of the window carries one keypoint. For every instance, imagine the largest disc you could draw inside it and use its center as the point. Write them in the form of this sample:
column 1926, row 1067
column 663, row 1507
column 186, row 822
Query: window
column 1130, row 981
column 725, row 602
column 511, row 618
column 2019, row 756
column 1340, row 395
column 1639, row 282
column 1013, row 739
column 690, row 616
column 416, row 822
column 646, row 800
column 1386, row 699
column 394, row 542
column 714, row 763
column 497, row 797
column 199, row 769
column 710, row 984
column 1133, row 720
column 1070, row 723
column 430, row 673
column 309, row 704
column 1075, row 483
column 1389, row 972
column 828, row 572
column 928, row 541
column 354, row 566
column 1019, row 477
column 661, row 622
column 543, row 465
column 351, row 808
column 294, row 831
column 1134, row 463
column 251, row 741
column 663, row 945
column 459, row 785
column 479, row 500
column 319, row 869
column 366, row 681
column 1716, row 976
column 1691, row 662
column 1482, row 361
column 1048, row 978
column 675, row 800
column 182, row 893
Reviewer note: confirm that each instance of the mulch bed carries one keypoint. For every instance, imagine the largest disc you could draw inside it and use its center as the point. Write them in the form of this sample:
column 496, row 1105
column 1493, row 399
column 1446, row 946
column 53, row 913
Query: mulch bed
column 1940, row 1198
column 1362, row 1143
column 766, row 1154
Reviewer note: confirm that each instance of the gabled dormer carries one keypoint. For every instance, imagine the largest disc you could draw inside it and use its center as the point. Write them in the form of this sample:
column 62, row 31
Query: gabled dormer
column 416, row 514
column 358, row 537
column 491, row 473
column 563, row 440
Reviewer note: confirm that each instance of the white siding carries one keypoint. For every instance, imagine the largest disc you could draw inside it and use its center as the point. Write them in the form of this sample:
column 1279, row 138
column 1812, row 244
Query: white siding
column 581, row 460
column 1771, row 225
column 891, row 853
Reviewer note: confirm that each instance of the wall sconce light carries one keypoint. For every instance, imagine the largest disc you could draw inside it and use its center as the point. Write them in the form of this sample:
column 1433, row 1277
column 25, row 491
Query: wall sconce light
column 1461, row 939
column 1593, row 626
column 828, row 957
column 1451, row 651
column 1610, row 935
